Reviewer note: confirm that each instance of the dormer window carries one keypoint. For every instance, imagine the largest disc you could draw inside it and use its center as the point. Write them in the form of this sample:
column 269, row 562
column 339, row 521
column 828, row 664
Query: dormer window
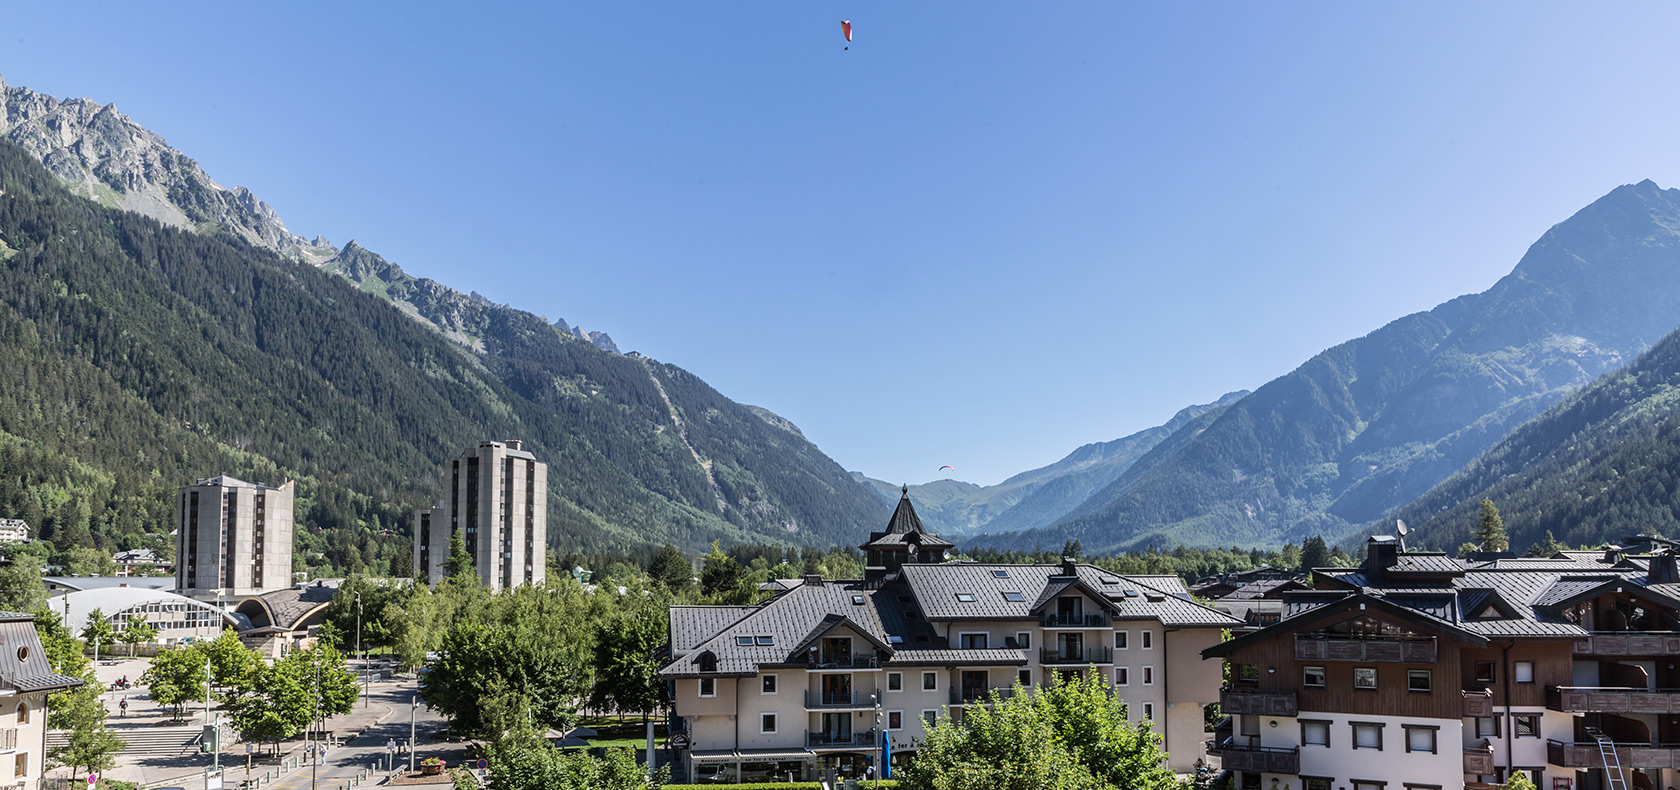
column 708, row 661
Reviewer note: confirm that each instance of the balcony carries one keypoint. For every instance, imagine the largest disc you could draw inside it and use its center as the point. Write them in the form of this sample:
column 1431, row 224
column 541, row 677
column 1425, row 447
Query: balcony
column 1585, row 699
column 1221, row 733
column 8, row 740
column 1585, row 754
column 860, row 661
column 1478, row 760
column 840, row 700
column 1385, row 649
column 1099, row 620
column 970, row 696
column 1629, row 643
column 1478, row 703
column 850, row 740
column 1258, row 703
column 1090, row 655
column 1242, row 753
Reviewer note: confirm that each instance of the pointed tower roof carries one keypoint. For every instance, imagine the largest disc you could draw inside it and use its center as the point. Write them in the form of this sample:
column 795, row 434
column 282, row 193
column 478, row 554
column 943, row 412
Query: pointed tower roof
column 905, row 527
column 904, row 519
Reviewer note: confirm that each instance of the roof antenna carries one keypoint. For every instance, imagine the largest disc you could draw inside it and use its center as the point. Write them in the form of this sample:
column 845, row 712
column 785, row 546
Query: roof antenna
column 1400, row 527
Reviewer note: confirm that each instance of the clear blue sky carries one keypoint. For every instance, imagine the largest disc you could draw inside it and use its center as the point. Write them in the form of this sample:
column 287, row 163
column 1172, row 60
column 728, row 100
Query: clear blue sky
column 984, row 236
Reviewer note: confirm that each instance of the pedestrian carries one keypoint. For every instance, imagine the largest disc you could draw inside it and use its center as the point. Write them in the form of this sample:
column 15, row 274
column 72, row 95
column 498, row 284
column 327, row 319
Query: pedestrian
column 123, row 706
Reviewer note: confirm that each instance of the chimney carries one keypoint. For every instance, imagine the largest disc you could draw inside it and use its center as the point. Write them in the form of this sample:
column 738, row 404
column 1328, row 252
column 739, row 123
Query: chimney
column 1665, row 569
column 813, row 580
column 1612, row 554
column 1070, row 566
column 1381, row 552
column 512, row 444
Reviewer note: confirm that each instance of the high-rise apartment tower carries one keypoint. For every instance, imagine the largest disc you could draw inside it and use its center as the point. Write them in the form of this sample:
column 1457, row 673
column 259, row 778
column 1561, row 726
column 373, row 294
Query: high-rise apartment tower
column 233, row 536
column 498, row 500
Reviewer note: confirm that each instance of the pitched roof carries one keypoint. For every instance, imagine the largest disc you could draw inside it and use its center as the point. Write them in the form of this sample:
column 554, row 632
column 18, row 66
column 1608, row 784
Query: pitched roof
column 1130, row 597
column 905, row 527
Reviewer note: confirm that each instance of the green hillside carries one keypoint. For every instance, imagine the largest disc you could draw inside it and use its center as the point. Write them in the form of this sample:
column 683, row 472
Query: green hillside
column 138, row 356
column 1367, row 426
column 1602, row 464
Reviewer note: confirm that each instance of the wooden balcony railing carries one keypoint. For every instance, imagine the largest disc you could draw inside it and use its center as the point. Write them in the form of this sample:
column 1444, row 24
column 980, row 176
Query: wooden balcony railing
column 1585, row 754
column 1629, row 643
column 1241, row 754
column 1478, row 703
column 1258, row 703
column 1605, row 699
column 1387, row 649
column 1478, row 760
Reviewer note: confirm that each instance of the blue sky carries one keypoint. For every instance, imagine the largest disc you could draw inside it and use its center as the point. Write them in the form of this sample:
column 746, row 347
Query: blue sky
column 983, row 236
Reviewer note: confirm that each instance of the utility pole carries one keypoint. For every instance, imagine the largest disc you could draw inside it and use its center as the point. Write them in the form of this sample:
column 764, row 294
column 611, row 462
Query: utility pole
column 315, row 759
column 413, row 710
column 359, row 654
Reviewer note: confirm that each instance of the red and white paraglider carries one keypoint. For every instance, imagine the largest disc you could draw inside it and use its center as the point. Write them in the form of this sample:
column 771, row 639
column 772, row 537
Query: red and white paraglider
column 846, row 29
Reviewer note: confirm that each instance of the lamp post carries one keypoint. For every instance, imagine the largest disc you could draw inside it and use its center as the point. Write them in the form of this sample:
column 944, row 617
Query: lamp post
column 413, row 710
column 362, row 657
column 315, row 759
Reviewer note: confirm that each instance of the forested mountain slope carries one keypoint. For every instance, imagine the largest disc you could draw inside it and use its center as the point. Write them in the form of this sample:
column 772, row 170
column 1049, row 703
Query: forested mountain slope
column 1371, row 424
column 140, row 356
column 1036, row 497
column 1603, row 464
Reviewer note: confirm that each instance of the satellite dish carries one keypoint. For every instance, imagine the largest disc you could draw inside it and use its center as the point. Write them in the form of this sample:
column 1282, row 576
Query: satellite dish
column 1400, row 526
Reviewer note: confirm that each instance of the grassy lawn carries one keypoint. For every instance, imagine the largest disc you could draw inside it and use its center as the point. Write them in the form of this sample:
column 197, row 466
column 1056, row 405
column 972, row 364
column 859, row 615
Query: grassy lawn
column 622, row 732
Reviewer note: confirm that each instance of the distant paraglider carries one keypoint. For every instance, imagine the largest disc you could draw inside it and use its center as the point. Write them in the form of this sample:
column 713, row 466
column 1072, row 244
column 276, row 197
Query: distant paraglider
column 947, row 466
column 846, row 29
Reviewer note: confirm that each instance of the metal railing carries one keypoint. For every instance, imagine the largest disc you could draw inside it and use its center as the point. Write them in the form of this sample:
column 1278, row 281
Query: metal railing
column 839, row 699
column 831, row 740
column 964, row 696
column 1090, row 655
column 859, row 661
column 1099, row 620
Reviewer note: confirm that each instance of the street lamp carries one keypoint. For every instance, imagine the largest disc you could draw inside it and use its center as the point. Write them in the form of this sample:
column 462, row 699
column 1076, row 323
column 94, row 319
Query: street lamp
column 413, row 710
column 359, row 654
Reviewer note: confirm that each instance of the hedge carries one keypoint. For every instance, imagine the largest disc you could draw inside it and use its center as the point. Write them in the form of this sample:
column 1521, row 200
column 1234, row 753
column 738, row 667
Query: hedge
column 886, row 784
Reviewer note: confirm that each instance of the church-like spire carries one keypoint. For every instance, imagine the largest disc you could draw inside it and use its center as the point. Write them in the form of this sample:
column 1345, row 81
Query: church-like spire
column 904, row 519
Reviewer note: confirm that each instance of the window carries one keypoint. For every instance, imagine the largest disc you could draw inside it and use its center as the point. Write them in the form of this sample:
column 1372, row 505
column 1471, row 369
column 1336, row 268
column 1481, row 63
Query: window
column 766, row 640
column 1410, row 786
column 895, row 720
column 1248, row 673
column 1484, row 672
column 930, row 718
column 1418, row 680
column 857, row 600
column 1120, row 639
column 895, row 681
column 1148, row 638
column 769, row 684
column 1420, row 739
column 1523, row 672
column 1315, row 733
column 20, row 767
column 1365, row 678
column 1149, row 711
column 23, row 713
column 767, row 724
column 1367, row 735
column 1527, row 725
column 930, row 681
column 1000, row 574
column 1363, row 784
column 1023, row 639
column 743, row 641
column 1315, row 783
column 972, row 641
column 1149, row 676
column 1312, row 676
column 1487, row 728
column 965, row 597
column 1121, row 677
column 1014, row 597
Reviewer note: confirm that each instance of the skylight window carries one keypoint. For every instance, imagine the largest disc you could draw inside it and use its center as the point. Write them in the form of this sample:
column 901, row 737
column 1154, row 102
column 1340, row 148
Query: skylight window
column 1110, row 580
column 767, row 640
column 965, row 597
column 1014, row 597
column 1001, row 574
column 743, row 641
column 895, row 639
column 857, row 600
column 1131, row 593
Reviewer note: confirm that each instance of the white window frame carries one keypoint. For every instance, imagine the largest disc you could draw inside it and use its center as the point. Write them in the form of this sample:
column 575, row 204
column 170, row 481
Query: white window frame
column 1148, row 711
column 1517, row 671
column 925, row 676
column 773, row 720
column 930, row 718
column 1023, row 640
column 961, row 634
column 888, row 722
column 702, row 689
column 890, row 676
column 1434, row 739
column 775, row 684
column 1122, row 639
column 1147, row 639
column 1323, row 677
column 1148, row 674
column 1377, row 727
column 1122, row 676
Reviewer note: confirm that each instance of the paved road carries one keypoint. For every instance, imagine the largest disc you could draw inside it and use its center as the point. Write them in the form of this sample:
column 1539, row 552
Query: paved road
column 357, row 755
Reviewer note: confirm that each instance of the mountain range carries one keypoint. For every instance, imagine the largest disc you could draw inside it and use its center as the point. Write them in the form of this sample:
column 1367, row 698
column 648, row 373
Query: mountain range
column 227, row 344
column 1369, row 425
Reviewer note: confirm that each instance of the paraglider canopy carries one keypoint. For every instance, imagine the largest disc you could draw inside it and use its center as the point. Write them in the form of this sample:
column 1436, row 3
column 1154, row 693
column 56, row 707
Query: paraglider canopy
column 947, row 466
column 846, row 28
